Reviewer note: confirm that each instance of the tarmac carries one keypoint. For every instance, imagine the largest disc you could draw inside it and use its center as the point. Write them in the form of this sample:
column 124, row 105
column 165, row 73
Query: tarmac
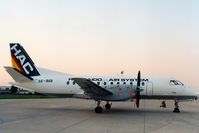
column 78, row 116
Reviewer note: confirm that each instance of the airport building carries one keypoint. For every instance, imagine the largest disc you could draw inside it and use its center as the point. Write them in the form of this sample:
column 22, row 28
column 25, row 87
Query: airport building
column 14, row 90
column 5, row 89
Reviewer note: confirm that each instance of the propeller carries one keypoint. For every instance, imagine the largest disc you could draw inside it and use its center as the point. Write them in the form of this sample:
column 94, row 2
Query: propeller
column 137, row 93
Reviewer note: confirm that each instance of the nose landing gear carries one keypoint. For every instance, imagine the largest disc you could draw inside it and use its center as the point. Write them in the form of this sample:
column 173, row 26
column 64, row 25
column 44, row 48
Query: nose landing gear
column 176, row 109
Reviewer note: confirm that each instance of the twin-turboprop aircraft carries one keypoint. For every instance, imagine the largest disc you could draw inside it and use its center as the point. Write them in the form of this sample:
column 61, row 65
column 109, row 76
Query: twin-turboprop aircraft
column 109, row 89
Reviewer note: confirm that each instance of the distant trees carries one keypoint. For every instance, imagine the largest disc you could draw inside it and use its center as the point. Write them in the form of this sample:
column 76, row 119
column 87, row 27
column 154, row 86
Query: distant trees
column 13, row 89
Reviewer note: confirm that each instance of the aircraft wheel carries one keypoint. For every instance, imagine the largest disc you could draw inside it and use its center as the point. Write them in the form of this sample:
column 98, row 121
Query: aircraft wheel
column 108, row 106
column 176, row 110
column 98, row 109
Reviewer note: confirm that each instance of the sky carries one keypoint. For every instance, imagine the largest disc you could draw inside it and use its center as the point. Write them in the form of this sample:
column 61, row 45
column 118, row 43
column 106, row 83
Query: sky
column 103, row 37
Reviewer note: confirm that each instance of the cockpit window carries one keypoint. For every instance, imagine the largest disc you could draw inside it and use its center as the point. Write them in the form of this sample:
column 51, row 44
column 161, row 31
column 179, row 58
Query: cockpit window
column 175, row 82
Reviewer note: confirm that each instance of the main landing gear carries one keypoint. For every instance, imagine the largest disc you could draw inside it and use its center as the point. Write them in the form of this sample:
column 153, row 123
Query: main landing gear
column 176, row 109
column 99, row 109
column 108, row 105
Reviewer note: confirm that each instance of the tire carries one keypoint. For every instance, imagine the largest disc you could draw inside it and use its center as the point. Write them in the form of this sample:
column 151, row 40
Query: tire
column 108, row 106
column 98, row 109
column 176, row 110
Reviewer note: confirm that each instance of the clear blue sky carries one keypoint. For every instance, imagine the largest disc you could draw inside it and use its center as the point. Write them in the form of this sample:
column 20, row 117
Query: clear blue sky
column 103, row 37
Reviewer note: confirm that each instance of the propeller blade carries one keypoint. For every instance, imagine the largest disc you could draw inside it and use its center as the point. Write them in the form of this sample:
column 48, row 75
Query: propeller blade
column 137, row 95
column 138, row 80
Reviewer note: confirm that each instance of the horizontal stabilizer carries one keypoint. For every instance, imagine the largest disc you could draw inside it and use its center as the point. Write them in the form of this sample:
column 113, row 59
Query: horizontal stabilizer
column 17, row 76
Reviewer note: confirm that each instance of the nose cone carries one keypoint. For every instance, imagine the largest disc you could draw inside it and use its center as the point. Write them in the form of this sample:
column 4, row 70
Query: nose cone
column 192, row 93
column 197, row 94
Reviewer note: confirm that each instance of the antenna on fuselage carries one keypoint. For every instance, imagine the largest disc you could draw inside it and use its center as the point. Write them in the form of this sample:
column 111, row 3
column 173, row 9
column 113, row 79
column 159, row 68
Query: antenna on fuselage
column 122, row 72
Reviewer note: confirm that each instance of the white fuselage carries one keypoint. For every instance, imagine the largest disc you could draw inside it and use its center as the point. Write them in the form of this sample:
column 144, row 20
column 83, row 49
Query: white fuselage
column 56, row 83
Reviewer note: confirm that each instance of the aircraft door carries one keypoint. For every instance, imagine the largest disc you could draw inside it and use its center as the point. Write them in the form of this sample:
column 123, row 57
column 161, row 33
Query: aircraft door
column 149, row 90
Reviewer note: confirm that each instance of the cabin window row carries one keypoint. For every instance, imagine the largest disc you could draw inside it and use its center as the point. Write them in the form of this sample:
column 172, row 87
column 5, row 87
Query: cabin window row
column 68, row 83
column 118, row 83
column 105, row 83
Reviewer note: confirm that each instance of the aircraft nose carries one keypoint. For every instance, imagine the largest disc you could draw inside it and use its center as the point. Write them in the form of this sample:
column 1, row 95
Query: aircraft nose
column 197, row 96
column 193, row 93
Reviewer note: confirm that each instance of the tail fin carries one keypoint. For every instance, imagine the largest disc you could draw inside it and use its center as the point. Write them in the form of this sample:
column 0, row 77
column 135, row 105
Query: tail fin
column 21, row 61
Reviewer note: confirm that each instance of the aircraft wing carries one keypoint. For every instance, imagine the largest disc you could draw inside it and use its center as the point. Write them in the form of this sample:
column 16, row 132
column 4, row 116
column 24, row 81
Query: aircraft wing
column 17, row 76
column 91, row 88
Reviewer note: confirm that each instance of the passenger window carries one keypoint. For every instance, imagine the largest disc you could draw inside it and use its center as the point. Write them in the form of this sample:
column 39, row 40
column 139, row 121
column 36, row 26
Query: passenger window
column 124, row 83
column 143, row 83
column 67, row 82
column 98, row 83
column 73, row 82
column 131, row 83
column 104, row 83
column 118, row 83
column 111, row 83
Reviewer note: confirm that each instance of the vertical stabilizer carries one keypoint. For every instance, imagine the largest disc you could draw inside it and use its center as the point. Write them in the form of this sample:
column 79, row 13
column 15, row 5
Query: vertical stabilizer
column 21, row 61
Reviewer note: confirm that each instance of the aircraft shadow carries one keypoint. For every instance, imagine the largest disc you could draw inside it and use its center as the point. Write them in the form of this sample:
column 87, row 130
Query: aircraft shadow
column 113, row 111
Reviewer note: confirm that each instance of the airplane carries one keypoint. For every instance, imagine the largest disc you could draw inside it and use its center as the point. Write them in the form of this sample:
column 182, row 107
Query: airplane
column 108, row 89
